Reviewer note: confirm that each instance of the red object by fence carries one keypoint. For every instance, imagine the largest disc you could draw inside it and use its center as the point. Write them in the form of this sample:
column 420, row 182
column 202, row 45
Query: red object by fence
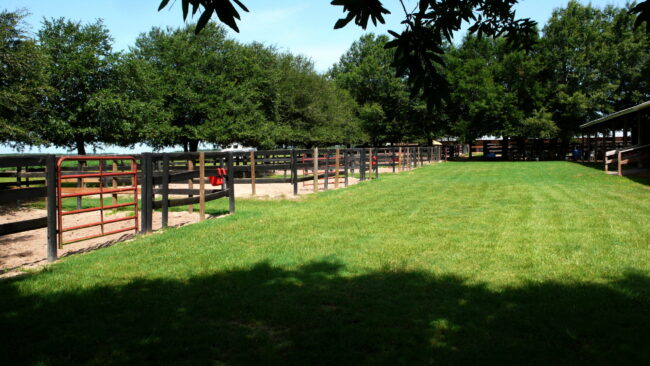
column 217, row 180
column 101, row 174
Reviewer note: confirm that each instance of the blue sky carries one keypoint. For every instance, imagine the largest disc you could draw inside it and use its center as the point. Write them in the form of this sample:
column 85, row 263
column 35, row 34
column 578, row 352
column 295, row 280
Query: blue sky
column 300, row 26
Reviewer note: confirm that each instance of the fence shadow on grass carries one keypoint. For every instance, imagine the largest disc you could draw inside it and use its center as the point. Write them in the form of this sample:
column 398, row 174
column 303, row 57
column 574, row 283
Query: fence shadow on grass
column 314, row 315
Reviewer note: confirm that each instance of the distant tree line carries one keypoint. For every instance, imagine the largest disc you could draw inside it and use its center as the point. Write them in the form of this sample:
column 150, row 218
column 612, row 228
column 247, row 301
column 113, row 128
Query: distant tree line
column 174, row 87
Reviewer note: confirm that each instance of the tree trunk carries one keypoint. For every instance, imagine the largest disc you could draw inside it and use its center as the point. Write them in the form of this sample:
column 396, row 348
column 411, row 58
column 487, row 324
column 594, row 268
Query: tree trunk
column 81, row 147
column 194, row 145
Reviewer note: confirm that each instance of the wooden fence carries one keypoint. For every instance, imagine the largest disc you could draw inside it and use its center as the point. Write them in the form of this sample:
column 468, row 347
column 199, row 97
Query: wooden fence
column 204, row 176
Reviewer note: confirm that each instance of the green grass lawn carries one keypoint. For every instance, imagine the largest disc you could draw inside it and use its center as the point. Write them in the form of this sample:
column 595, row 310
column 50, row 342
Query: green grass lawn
column 461, row 263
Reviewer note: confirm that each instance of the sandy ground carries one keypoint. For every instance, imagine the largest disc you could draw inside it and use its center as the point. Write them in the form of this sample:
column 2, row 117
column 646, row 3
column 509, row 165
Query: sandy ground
column 29, row 249
column 285, row 190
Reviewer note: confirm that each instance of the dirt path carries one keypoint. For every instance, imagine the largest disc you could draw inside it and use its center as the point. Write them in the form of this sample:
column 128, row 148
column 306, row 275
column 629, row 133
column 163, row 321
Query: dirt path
column 29, row 249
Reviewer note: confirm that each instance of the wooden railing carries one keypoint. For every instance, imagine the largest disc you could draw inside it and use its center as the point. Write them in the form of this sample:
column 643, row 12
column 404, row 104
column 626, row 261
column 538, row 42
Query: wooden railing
column 619, row 156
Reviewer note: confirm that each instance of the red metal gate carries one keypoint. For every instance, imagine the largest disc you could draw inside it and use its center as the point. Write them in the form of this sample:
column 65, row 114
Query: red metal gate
column 101, row 191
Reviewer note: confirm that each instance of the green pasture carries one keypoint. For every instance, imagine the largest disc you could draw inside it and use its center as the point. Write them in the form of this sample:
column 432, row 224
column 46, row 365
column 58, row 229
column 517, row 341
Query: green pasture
column 461, row 263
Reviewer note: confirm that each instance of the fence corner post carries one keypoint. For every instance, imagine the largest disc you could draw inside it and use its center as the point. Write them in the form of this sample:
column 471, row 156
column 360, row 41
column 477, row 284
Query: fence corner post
column 51, row 182
column 326, row 171
column 230, row 172
column 165, row 191
column 362, row 164
column 346, row 166
column 146, row 190
column 294, row 172
column 252, row 162
column 376, row 163
column 337, row 167
column 315, row 155
column 202, row 186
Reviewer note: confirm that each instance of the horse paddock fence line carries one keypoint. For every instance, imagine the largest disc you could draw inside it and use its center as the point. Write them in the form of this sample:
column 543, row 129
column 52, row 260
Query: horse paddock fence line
column 128, row 189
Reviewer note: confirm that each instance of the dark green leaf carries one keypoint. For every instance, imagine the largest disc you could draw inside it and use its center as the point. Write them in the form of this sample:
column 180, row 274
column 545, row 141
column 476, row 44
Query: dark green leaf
column 163, row 3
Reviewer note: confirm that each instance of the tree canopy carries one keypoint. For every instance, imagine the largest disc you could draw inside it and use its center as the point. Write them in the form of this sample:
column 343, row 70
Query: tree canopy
column 176, row 87
column 365, row 72
column 215, row 90
column 23, row 82
column 79, row 68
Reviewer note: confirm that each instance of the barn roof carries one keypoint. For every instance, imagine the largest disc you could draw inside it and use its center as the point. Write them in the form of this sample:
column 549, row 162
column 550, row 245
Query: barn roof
column 617, row 115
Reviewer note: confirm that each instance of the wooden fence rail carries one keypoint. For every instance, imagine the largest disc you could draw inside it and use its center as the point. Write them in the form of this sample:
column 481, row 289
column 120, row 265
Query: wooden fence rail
column 159, row 175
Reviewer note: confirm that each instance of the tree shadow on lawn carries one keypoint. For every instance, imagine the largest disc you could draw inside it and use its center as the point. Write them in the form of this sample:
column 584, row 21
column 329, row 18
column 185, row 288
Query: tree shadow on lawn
column 314, row 315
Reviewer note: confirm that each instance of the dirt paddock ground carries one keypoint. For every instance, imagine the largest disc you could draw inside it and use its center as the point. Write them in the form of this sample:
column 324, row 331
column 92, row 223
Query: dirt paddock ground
column 28, row 250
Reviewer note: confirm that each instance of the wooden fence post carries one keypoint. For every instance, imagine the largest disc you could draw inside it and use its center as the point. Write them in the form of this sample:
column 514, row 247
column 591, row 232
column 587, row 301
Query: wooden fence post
column 377, row 164
column 337, row 166
column 165, row 190
column 201, row 186
column 326, row 172
column 362, row 164
column 370, row 166
column 346, row 170
column 143, row 193
column 19, row 182
column 51, row 208
column 315, row 169
column 146, row 184
column 407, row 158
column 80, row 183
column 294, row 172
column 150, row 193
column 400, row 160
column 230, row 172
column 114, row 200
column 415, row 158
column 190, row 184
column 252, row 159
column 394, row 160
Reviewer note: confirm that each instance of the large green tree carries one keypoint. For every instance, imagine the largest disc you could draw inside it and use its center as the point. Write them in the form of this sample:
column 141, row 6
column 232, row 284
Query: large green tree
column 80, row 67
column 133, row 101
column 496, row 91
column 477, row 100
column 313, row 111
column 597, row 62
column 365, row 71
column 218, row 91
column 23, row 82
column 205, row 89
